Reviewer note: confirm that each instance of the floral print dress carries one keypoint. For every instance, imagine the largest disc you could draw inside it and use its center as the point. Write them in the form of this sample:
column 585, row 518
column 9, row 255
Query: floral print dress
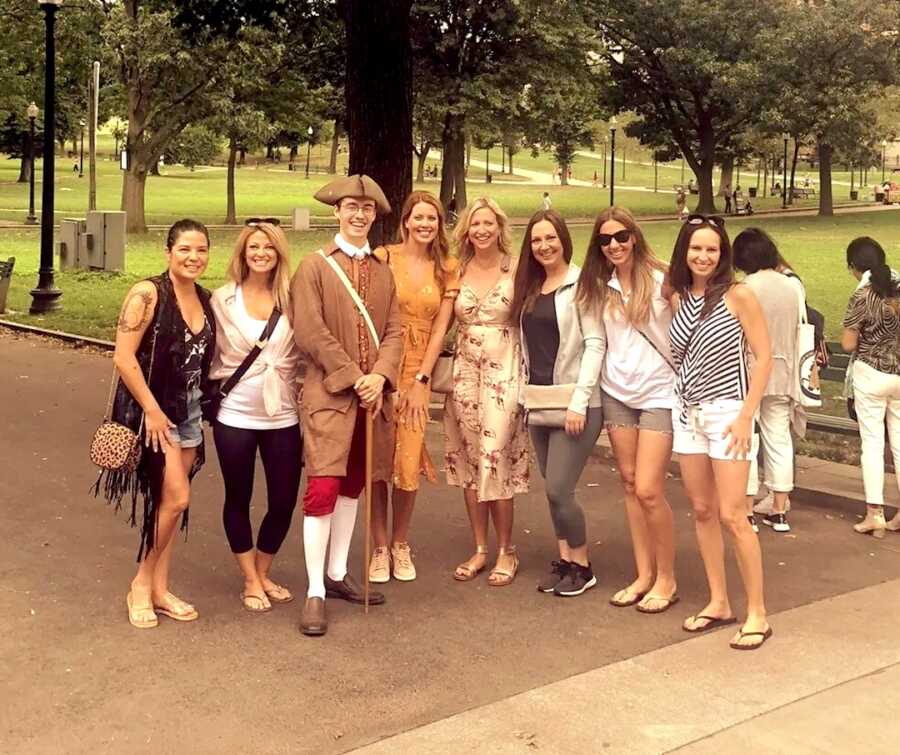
column 486, row 440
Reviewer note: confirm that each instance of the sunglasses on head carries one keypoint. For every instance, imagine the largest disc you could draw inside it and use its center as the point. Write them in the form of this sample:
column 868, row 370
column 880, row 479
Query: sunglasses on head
column 696, row 218
column 622, row 237
column 253, row 222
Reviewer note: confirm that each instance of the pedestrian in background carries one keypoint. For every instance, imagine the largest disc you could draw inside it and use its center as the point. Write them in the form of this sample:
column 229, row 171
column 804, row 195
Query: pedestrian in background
column 562, row 348
column 872, row 333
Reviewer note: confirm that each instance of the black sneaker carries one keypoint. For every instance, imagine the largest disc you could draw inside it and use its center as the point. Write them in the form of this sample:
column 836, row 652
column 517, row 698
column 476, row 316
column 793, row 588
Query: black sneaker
column 777, row 522
column 558, row 571
column 753, row 525
column 579, row 579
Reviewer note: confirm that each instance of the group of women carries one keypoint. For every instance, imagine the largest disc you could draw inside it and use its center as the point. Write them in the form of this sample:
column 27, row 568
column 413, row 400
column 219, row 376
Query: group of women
column 666, row 357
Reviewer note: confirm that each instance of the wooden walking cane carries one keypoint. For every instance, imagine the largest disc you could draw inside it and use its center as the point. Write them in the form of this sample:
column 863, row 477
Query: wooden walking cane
column 370, row 420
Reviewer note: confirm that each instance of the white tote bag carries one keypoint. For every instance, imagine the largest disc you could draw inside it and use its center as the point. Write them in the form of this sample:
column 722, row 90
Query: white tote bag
column 810, row 386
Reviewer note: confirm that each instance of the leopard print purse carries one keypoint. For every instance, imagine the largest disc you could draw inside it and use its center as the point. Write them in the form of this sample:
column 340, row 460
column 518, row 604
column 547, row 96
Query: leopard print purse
column 114, row 446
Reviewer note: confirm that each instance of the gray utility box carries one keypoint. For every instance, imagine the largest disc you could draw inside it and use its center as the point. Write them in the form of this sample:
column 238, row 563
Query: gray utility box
column 72, row 244
column 6, row 269
column 300, row 219
column 97, row 243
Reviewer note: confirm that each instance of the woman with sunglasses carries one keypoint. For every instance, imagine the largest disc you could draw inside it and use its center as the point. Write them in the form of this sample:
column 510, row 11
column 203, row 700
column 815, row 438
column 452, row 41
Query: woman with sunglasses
column 427, row 285
column 562, row 347
column 626, row 284
column 717, row 398
column 259, row 414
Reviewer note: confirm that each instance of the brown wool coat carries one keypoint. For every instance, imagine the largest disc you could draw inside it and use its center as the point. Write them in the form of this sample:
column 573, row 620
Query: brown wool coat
column 325, row 328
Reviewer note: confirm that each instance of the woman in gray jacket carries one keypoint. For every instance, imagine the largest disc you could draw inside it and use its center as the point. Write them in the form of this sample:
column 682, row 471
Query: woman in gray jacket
column 563, row 351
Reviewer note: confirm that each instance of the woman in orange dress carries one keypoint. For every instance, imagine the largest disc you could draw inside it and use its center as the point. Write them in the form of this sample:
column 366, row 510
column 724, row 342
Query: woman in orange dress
column 427, row 285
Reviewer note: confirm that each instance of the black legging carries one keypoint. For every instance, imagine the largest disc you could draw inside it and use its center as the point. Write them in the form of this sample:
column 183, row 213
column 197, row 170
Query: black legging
column 281, row 452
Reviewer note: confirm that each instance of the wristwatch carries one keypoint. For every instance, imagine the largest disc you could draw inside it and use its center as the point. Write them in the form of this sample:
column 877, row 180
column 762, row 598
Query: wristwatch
column 422, row 378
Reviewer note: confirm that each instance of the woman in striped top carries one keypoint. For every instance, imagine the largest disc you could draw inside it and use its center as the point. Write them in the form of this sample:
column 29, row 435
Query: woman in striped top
column 716, row 399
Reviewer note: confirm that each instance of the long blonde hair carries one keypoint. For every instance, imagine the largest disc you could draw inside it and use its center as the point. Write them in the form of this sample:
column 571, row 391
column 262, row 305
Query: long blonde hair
column 279, row 278
column 461, row 233
column 439, row 249
column 594, row 291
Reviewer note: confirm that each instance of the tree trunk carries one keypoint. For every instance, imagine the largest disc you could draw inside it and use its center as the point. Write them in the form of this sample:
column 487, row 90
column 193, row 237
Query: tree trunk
column 25, row 168
column 270, row 151
column 563, row 174
column 243, row 156
column 453, row 167
column 725, row 177
column 154, row 168
column 421, row 157
column 790, row 196
column 293, row 153
column 765, row 186
column 231, row 210
column 706, row 200
column 335, row 143
column 511, row 153
column 133, row 185
column 378, row 93
column 826, row 203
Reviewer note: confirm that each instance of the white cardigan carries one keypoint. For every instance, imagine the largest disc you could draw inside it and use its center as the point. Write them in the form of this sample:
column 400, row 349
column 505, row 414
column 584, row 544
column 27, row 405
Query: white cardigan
column 582, row 346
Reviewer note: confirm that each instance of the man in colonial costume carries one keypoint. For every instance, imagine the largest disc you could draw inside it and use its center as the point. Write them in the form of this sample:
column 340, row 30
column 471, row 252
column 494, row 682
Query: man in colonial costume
column 347, row 374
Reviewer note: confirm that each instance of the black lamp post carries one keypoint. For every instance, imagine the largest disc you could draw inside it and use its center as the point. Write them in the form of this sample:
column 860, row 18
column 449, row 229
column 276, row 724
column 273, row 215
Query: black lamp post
column 45, row 297
column 784, row 186
column 604, row 161
column 81, row 151
column 32, row 116
column 612, row 161
column 883, row 153
column 309, row 134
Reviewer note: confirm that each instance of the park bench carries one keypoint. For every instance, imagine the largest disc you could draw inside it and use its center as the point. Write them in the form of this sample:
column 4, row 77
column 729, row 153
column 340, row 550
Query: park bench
column 803, row 192
column 836, row 371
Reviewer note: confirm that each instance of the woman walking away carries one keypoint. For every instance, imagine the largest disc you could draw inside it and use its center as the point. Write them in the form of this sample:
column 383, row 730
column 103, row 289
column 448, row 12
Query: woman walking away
column 427, row 285
column 781, row 297
column 716, row 400
column 626, row 285
column 486, row 450
column 164, row 344
column 563, row 353
column 872, row 332
column 259, row 413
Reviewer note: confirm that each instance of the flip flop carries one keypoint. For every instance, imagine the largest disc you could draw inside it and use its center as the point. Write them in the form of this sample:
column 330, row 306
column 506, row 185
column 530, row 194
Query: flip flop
column 669, row 602
column 248, row 606
column 765, row 636
column 278, row 594
column 137, row 617
column 177, row 615
column 636, row 597
column 713, row 622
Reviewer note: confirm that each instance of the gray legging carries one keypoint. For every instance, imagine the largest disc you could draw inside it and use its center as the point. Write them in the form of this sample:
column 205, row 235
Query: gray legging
column 561, row 459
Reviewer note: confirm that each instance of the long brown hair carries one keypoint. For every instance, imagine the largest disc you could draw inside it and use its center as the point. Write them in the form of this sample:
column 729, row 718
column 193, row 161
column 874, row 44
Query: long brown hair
column 461, row 233
column 722, row 277
column 279, row 278
column 439, row 249
column 594, row 291
column 530, row 274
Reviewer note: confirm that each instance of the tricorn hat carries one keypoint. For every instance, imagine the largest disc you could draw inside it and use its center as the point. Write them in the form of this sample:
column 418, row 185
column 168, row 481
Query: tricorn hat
column 354, row 186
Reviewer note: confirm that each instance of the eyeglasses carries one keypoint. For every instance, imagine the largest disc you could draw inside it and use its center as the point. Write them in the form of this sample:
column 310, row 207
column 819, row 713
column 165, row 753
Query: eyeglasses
column 253, row 222
column 696, row 218
column 622, row 237
column 351, row 208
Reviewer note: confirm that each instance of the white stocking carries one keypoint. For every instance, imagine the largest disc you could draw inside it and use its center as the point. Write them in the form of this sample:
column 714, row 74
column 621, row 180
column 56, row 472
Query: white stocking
column 343, row 522
column 315, row 542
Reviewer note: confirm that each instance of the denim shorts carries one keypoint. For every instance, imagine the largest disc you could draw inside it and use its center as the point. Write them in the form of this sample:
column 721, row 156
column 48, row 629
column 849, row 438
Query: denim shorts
column 189, row 434
column 703, row 430
column 619, row 414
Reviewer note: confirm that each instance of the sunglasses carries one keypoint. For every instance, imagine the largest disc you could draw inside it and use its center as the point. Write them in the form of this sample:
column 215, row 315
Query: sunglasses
column 253, row 222
column 622, row 237
column 696, row 218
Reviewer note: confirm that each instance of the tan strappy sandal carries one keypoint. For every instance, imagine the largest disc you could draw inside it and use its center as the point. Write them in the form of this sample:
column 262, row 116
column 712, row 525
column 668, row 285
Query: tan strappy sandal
column 465, row 572
column 503, row 577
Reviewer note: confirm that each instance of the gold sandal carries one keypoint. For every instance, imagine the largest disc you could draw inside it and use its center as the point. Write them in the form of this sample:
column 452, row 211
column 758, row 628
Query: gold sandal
column 140, row 617
column 503, row 577
column 465, row 572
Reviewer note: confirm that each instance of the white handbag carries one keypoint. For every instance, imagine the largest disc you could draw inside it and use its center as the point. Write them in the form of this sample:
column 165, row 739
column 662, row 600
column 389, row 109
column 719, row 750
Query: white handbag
column 546, row 405
column 808, row 367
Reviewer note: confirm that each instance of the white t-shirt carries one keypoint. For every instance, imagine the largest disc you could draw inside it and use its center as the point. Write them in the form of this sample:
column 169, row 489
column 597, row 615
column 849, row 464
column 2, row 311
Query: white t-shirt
column 244, row 407
column 633, row 371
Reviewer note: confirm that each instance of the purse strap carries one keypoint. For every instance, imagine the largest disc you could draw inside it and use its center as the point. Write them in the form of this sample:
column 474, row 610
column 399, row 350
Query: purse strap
column 342, row 276
column 260, row 344
column 658, row 350
column 114, row 383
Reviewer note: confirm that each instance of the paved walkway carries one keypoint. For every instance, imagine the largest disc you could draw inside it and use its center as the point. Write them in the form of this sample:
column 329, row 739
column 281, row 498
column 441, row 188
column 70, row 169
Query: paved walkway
column 76, row 678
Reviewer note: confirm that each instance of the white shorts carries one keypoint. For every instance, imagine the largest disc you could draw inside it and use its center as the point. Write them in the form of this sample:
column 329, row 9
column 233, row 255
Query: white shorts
column 704, row 431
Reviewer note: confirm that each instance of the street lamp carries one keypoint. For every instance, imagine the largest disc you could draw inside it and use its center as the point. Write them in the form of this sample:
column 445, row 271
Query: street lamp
column 784, row 195
column 32, row 116
column 612, row 161
column 309, row 134
column 604, row 161
column 81, row 151
column 45, row 297
column 883, row 152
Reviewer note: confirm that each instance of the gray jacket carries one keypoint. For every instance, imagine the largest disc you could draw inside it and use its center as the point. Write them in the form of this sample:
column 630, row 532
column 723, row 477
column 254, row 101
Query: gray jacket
column 582, row 346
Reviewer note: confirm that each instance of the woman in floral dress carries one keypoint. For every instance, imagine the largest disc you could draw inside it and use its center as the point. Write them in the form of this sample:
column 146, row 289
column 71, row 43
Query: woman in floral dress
column 487, row 452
